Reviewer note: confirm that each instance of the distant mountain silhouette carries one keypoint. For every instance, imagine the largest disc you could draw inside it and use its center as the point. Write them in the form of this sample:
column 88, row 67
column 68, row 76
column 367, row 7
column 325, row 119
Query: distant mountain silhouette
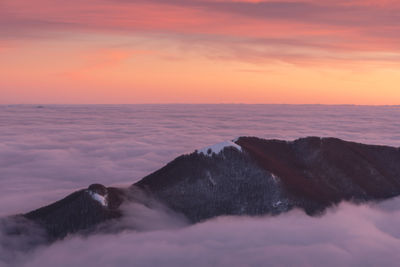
column 247, row 176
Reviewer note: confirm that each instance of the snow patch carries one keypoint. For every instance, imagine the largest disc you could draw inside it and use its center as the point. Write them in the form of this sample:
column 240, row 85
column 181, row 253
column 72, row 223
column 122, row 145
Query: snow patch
column 236, row 139
column 217, row 148
column 212, row 181
column 276, row 204
column 275, row 178
column 99, row 198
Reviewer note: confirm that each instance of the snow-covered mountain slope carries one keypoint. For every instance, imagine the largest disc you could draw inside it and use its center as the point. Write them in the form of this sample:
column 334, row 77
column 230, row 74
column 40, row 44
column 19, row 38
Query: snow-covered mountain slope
column 217, row 148
column 249, row 176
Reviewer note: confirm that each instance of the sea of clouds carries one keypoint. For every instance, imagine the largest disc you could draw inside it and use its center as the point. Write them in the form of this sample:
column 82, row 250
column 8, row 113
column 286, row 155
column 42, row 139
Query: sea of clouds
column 48, row 152
column 347, row 235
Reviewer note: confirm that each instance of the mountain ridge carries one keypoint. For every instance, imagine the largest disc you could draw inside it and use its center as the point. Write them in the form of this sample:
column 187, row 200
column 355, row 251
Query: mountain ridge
column 263, row 177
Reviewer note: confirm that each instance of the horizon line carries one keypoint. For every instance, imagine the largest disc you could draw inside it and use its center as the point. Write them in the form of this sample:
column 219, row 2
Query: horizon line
column 173, row 103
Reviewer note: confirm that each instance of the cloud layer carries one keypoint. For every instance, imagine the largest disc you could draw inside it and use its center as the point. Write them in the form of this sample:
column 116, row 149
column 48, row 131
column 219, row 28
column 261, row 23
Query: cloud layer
column 335, row 26
column 346, row 236
column 157, row 51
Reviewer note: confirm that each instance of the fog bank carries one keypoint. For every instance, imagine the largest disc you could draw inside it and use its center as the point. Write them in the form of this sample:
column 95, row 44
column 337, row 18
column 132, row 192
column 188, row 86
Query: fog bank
column 348, row 235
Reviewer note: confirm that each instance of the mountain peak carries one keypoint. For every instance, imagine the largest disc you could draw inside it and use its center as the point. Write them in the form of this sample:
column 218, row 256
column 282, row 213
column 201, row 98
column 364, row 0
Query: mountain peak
column 217, row 148
column 99, row 193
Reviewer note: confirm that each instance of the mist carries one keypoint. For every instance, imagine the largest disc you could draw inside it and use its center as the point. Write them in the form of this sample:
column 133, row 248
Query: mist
column 347, row 235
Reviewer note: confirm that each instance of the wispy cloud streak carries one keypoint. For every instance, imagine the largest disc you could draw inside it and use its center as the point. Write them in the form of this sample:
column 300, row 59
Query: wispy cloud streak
column 348, row 25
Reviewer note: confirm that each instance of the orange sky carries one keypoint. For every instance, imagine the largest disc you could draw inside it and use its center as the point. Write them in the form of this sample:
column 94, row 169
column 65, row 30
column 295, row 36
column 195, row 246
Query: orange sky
column 201, row 51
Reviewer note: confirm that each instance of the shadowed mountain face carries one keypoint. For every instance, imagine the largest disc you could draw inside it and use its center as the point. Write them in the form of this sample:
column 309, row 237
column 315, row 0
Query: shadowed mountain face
column 250, row 177
column 271, row 176
column 205, row 186
column 79, row 211
column 328, row 170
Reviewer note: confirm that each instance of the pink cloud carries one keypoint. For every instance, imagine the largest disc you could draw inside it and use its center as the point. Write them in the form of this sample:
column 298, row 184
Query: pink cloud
column 295, row 26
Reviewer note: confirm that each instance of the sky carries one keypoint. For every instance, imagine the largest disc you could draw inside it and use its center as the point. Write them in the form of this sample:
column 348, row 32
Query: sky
column 200, row 51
